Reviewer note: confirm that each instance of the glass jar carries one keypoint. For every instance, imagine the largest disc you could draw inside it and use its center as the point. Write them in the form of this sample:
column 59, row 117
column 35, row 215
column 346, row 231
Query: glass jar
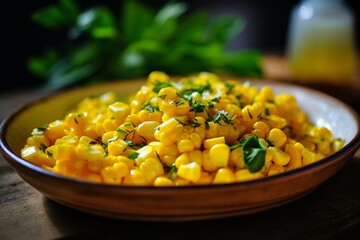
column 321, row 47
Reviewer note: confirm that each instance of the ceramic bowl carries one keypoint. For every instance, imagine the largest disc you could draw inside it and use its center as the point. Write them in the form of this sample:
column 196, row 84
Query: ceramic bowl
column 186, row 202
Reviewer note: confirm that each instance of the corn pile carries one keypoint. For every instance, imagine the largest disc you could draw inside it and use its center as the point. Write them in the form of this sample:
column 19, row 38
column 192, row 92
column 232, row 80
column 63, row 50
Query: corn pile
column 198, row 130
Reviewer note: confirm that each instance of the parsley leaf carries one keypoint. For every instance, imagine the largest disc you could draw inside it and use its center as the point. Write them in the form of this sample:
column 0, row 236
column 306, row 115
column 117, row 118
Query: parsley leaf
column 254, row 153
column 133, row 156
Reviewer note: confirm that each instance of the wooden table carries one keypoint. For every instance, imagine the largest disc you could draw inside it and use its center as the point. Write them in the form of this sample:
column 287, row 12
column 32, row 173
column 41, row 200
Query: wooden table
column 330, row 212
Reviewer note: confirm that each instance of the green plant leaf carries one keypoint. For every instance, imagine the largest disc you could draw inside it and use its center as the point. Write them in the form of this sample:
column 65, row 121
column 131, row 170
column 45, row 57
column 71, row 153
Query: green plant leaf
column 57, row 16
column 135, row 19
column 227, row 28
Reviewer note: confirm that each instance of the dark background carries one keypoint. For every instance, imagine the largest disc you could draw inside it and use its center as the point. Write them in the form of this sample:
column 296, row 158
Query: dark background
column 266, row 29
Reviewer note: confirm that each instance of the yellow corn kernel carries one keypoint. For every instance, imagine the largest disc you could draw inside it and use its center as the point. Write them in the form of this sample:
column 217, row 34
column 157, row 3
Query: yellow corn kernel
column 147, row 129
column 279, row 156
column 151, row 169
column 168, row 160
column 211, row 131
column 183, row 109
column 143, row 115
column 307, row 157
column 259, row 133
column 262, row 126
column 275, row 169
column 85, row 140
column 172, row 150
column 119, row 111
column 323, row 147
column 185, row 145
column 143, row 154
column 109, row 125
column 137, row 178
column 159, row 148
column 55, row 130
column 295, row 156
column 209, row 143
column 107, row 136
column 63, row 152
column 157, row 76
column 201, row 131
column 277, row 137
column 337, row 145
column 94, row 177
column 111, row 175
column 245, row 175
column 168, row 93
column 275, row 121
column 38, row 141
column 205, row 178
column 36, row 156
column 236, row 158
column 165, row 139
column 182, row 159
column 219, row 155
column 163, row 182
column 117, row 147
column 196, row 139
column 224, row 175
column 190, row 171
column 309, row 145
column 208, row 164
column 196, row 156
column 181, row 182
column 168, row 107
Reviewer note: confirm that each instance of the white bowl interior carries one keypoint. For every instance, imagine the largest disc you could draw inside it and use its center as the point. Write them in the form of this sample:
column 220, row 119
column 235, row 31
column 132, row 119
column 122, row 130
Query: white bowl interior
column 322, row 109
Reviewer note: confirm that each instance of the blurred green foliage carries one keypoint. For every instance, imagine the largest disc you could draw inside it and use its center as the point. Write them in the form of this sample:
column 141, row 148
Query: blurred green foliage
column 102, row 46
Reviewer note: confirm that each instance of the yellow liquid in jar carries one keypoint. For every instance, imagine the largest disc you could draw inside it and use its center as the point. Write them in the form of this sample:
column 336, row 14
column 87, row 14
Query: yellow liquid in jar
column 322, row 51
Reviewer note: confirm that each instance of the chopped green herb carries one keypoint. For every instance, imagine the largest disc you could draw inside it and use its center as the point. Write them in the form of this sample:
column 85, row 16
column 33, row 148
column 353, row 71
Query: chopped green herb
column 105, row 154
column 49, row 154
column 207, row 126
column 173, row 171
column 222, row 117
column 112, row 139
column 254, row 153
column 151, row 108
column 121, row 130
column 130, row 143
column 197, row 107
column 76, row 121
column 133, row 156
column 194, row 123
column 179, row 120
column 250, row 115
column 128, row 124
column 42, row 128
column 162, row 96
column 181, row 102
column 267, row 112
column 160, row 85
column 43, row 147
column 271, row 144
column 229, row 87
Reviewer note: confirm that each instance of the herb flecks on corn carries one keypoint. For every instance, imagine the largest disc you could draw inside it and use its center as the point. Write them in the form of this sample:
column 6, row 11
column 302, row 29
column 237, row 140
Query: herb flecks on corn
column 198, row 130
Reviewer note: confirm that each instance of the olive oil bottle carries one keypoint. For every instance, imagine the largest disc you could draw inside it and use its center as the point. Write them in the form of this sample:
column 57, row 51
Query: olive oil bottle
column 321, row 46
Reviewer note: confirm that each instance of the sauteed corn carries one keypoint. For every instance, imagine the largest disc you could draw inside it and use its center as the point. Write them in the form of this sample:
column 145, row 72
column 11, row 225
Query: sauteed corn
column 198, row 130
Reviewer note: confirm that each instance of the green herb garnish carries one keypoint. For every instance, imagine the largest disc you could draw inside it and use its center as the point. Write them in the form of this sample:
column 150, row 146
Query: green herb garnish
column 254, row 153
column 133, row 156
column 172, row 171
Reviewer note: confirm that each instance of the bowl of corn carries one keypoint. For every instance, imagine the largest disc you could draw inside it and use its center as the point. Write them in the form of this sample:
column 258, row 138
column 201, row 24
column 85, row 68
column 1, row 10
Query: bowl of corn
column 191, row 148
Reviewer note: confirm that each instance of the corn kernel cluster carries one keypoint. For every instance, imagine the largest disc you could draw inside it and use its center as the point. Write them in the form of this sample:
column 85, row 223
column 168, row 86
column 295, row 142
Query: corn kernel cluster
column 197, row 130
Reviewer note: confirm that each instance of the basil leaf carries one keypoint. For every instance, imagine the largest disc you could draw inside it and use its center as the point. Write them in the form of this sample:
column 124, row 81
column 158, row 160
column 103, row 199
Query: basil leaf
column 254, row 153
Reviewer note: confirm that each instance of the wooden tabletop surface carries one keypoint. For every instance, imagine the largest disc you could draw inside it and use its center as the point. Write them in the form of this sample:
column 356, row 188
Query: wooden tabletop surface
column 332, row 211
